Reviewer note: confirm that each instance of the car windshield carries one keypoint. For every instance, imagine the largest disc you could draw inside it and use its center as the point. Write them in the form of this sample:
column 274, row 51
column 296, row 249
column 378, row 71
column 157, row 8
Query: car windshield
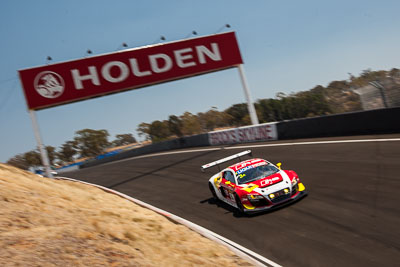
column 250, row 173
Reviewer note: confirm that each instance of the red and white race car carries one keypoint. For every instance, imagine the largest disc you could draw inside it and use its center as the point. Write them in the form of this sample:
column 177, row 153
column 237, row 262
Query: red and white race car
column 254, row 185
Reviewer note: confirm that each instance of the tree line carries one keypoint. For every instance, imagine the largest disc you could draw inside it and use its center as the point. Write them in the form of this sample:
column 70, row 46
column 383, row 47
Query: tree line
column 86, row 143
column 337, row 97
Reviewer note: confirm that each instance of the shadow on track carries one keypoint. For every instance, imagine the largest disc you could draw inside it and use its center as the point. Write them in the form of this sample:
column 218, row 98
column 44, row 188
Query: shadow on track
column 161, row 168
column 235, row 212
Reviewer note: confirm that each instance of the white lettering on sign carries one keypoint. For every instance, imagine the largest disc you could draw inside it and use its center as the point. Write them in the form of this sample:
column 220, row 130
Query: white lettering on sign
column 180, row 58
column 131, row 69
column 162, row 65
column 135, row 68
column 263, row 132
column 159, row 63
column 78, row 78
column 124, row 71
column 214, row 54
column 223, row 137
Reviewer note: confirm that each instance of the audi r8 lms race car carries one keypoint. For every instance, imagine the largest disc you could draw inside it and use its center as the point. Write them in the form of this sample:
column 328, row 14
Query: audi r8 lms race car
column 254, row 185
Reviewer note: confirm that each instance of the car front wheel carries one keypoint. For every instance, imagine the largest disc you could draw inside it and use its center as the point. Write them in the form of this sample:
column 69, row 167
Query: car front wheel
column 239, row 204
column 213, row 191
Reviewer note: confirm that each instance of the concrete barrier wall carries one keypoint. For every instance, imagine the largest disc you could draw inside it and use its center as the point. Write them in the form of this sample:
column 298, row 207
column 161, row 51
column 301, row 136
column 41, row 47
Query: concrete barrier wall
column 183, row 142
column 68, row 169
column 379, row 121
column 261, row 132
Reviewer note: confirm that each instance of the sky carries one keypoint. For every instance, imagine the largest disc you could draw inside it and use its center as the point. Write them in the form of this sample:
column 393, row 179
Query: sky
column 287, row 46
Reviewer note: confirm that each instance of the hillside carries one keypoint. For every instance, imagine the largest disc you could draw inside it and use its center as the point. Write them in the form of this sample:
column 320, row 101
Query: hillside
column 45, row 222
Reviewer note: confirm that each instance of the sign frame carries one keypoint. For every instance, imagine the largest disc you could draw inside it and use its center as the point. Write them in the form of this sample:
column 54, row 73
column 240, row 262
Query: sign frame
column 77, row 80
column 43, row 84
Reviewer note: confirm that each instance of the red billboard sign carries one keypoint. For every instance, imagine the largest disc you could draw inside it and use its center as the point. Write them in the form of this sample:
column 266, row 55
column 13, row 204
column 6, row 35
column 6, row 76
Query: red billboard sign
column 71, row 81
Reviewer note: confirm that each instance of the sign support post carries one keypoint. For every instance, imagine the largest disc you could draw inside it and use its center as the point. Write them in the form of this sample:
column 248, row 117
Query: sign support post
column 67, row 82
column 43, row 151
column 250, row 105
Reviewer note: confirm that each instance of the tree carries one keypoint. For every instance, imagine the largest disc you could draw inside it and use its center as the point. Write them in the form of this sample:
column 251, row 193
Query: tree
column 367, row 76
column 394, row 73
column 276, row 107
column 175, row 125
column 212, row 119
column 67, row 152
column 123, row 139
column 190, row 124
column 266, row 110
column 19, row 162
column 91, row 142
column 51, row 153
column 156, row 131
column 32, row 158
column 237, row 112
column 159, row 131
column 143, row 129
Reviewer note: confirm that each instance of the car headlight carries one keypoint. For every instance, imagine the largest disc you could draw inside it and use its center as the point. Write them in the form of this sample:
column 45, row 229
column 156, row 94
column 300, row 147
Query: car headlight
column 294, row 181
column 286, row 190
column 254, row 197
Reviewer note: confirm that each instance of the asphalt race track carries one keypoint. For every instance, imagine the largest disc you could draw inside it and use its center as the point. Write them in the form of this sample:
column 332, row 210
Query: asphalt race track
column 351, row 216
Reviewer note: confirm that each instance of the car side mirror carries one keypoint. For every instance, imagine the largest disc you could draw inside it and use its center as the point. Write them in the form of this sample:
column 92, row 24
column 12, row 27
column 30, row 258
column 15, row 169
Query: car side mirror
column 279, row 164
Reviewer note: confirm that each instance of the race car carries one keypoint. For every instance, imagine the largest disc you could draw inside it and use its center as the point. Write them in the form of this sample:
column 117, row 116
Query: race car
column 254, row 185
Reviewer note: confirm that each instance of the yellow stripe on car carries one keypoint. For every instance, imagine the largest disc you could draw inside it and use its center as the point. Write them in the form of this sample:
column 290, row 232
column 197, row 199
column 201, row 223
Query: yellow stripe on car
column 301, row 187
column 248, row 207
column 250, row 188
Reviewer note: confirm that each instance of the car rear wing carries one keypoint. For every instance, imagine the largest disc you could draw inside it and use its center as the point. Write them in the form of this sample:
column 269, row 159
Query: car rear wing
column 218, row 162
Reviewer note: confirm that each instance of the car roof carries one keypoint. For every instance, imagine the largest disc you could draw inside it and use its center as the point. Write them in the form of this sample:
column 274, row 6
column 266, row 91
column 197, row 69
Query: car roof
column 245, row 163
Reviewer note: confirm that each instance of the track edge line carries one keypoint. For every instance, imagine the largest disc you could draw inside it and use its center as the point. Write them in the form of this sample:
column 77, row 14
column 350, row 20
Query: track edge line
column 239, row 250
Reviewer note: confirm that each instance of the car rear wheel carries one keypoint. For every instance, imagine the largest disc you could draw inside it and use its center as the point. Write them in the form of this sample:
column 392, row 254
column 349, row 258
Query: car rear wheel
column 213, row 191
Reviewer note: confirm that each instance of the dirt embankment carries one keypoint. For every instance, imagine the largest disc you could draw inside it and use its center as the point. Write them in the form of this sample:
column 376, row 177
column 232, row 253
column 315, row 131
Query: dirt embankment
column 45, row 222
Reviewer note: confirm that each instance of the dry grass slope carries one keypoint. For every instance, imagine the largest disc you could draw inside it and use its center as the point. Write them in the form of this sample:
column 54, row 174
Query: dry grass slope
column 46, row 222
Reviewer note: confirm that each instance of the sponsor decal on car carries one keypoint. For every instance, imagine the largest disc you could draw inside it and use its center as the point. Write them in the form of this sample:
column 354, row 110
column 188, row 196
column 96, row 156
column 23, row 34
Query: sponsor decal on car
column 244, row 169
column 269, row 181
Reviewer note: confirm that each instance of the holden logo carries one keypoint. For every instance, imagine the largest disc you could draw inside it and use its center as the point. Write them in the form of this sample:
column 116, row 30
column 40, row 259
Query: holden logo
column 49, row 84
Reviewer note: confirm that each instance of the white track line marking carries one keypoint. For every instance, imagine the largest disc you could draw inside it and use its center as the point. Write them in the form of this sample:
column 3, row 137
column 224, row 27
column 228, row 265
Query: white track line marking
column 261, row 145
column 241, row 251
column 318, row 143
